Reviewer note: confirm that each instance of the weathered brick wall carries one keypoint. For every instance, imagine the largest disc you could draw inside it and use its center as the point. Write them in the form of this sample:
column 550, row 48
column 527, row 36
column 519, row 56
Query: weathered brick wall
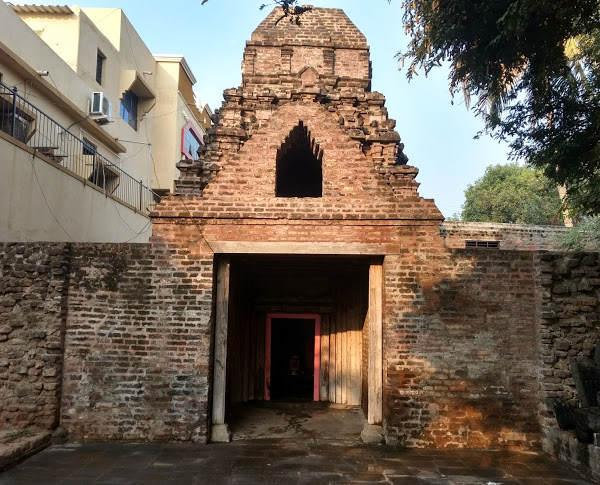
column 510, row 236
column 461, row 349
column 308, row 56
column 137, row 350
column 352, row 63
column 325, row 39
column 352, row 188
column 274, row 74
column 32, row 296
column 569, row 330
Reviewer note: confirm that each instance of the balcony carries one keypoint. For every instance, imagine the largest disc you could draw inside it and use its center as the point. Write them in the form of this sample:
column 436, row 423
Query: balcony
column 28, row 124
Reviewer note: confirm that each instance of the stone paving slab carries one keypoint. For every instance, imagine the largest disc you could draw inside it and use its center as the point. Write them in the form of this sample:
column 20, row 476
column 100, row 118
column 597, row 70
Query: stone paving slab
column 281, row 461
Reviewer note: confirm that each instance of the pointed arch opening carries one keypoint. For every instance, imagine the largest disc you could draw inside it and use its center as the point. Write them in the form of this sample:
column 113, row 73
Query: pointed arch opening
column 299, row 170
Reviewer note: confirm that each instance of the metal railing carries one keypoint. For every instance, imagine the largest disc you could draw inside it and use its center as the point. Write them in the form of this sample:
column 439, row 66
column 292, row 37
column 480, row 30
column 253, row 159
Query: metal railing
column 30, row 125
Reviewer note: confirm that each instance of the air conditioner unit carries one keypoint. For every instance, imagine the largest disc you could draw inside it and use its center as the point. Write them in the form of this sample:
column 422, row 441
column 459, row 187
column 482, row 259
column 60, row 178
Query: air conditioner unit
column 101, row 107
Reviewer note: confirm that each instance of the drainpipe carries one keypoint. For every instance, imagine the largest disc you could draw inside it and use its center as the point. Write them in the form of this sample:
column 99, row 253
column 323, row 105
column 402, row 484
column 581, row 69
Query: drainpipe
column 149, row 166
column 14, row 113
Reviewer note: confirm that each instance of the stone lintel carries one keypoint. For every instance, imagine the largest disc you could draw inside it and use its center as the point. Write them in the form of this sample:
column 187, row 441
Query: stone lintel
column 319, row 248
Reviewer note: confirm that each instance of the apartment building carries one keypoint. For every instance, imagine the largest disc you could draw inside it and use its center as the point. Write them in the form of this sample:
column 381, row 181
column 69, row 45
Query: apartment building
column 102, row 119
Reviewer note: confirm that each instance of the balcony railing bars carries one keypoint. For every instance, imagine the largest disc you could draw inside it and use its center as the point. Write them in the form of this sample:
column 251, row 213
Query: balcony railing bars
column 30, row 125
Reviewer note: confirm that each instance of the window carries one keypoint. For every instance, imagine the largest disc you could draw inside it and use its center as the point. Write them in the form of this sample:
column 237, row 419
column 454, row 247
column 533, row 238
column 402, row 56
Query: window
column 100, row 58
column 88, row 147
column 191, row 141
column 299, row 172
column 129, row 109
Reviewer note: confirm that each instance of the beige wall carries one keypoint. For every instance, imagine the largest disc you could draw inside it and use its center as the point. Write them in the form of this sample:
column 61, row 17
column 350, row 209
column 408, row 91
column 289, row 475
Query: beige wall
column 204, row 119
column 167, row 153
column 40, row 202
column 52, row 33
column 77, row 46
column 116, row 38
column 175, row 106
column 20, row 47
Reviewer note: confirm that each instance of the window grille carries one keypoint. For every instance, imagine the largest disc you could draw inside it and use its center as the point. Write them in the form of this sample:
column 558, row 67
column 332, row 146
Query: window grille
column 482, row 244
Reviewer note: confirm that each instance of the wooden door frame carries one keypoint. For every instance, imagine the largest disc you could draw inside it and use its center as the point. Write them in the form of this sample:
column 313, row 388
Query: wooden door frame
column 316, row 355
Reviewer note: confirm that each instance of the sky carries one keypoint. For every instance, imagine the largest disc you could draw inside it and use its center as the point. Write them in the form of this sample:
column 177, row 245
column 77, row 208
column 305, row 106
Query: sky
column 437, row 134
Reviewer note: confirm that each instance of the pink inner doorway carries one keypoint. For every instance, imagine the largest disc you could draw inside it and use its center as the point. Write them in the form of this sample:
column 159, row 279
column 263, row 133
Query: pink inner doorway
column 287, row 318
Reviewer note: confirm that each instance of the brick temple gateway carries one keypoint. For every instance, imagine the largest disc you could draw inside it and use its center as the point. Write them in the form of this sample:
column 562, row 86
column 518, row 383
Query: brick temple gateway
column 298, row 262
column 300, row 204
column 301, row 194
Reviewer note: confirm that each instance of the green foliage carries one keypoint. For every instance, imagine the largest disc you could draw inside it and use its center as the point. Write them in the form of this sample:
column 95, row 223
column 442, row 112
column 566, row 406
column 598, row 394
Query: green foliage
column 586, row 235
column 513, row 194
column 291, row 10
column 533, row 67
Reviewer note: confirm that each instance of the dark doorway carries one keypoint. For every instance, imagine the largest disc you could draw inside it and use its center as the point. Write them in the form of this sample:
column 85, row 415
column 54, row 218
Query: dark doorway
column 292, row 358
column 330, row 291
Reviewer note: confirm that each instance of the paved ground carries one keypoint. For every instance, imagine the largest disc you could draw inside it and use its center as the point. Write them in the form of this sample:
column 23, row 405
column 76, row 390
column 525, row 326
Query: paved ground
column 258, row 420
column 285, row 461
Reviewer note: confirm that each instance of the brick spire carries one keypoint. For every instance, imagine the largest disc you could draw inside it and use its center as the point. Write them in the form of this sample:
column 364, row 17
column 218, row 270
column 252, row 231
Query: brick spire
column 322, row 62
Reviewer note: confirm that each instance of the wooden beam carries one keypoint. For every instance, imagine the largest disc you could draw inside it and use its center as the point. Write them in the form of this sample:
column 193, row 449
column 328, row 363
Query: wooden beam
column 355, row 341
column 261, row 319
column 345, row 360
column 324, row 382
column 245, row 351
column 268, row 359
column 317, row 360
column 339, row 356
column 220, row 365
column 333, row 318
column 375, row 409
column 253, row 341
